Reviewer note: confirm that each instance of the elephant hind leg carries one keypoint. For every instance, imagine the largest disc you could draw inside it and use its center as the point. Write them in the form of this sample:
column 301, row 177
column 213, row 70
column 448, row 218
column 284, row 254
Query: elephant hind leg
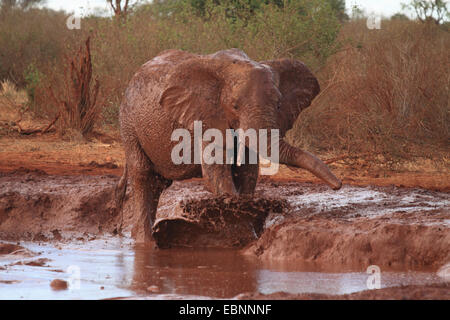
column 119, row 195
column 147, row 187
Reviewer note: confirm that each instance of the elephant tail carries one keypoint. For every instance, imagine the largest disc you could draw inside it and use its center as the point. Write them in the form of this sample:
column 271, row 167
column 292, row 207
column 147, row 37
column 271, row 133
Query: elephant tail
column 119, row 195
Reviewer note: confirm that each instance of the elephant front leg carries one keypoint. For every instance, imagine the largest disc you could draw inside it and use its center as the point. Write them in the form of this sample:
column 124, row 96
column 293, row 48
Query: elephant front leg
column 218, row 179
column 217, row 174
column 245, row 176
column 232, row 179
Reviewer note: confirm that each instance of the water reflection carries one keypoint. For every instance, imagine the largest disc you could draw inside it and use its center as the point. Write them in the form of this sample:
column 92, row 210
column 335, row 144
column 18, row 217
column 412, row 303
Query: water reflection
column 214, row 273
column 307, row 282
column 112, row 268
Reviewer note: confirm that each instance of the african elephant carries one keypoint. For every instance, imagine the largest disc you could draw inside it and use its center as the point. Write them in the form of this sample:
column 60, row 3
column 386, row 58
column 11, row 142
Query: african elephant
column 224, row 90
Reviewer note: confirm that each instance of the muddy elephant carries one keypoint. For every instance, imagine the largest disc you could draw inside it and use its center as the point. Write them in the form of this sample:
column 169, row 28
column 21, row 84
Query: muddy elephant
column 224, row 90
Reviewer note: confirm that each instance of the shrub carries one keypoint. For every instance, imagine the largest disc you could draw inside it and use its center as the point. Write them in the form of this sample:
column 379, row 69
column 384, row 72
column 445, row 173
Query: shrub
column 33, row 78
column 383, row 91
column 77, row 101
column 386, row 92
column 33, row 37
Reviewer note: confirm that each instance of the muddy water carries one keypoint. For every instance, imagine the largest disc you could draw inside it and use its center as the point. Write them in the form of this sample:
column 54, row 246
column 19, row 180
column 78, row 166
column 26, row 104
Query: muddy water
column 341, row 232
column 114, row 267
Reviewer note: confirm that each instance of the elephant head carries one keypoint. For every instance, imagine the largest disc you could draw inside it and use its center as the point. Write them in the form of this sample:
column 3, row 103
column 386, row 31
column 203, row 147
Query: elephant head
column 229, row 90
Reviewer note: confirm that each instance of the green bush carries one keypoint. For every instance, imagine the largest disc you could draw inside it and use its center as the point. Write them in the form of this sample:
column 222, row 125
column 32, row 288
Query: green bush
column 33, row 78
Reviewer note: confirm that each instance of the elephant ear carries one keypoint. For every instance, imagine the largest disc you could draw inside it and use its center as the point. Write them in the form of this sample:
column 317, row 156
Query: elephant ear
column 297, row 85
column 192, row 93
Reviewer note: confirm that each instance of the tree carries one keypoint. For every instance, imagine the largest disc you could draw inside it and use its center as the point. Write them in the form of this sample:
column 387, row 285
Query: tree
column 399, row 16
column 338, row 6
column 121, row 8
column 429, row 10
column 239, row 9
column 357, row 12
column 23, row 4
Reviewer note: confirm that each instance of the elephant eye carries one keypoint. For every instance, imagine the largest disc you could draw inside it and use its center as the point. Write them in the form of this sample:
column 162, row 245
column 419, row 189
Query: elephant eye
column 279, row 105
column 235, row 107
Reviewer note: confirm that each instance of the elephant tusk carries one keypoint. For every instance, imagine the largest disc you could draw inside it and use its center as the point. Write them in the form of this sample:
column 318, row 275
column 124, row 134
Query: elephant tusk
column 241, row 150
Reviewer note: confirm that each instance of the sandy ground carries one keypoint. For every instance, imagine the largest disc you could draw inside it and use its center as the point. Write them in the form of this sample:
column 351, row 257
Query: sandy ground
column 52, row 190
column 104, row 155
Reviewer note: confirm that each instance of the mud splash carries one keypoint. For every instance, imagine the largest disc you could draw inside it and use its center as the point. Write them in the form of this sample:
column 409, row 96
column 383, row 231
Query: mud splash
column 212, row 222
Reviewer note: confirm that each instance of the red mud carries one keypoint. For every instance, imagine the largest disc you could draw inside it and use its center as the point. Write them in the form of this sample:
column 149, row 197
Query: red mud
column 391, row 227
column 387, row 226
column 39, row 207
column 427, row 292
column 192, row 218
column 59, row 284
column 9, row 249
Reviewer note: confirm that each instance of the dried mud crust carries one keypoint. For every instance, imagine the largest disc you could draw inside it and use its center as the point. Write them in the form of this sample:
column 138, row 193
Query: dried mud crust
column 16, row 252
column 14, row 249
column 391, row 227
column 303, row 222
column 426, row 292
column 36, row 206
column 213, row 222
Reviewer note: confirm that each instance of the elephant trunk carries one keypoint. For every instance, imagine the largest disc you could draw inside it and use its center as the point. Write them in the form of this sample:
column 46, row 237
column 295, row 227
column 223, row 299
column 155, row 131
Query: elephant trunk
column 296, row 157
column 292, row 156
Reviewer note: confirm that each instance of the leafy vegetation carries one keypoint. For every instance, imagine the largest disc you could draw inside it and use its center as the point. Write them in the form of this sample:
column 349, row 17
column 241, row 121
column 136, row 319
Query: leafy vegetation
column 383, row 91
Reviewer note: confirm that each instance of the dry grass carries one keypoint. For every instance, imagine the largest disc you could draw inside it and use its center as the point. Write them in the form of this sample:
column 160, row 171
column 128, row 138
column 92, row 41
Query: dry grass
column 10, row 95
column 13, row 102
column 386, row 92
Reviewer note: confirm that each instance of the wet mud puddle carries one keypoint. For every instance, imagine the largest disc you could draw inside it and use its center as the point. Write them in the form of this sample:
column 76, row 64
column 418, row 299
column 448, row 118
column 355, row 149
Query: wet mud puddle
column 115, row 268
column 355, row 226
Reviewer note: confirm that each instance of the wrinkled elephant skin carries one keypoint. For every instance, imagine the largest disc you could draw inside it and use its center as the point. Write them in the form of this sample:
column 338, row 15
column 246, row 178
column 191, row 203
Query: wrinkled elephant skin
column 225, row 90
